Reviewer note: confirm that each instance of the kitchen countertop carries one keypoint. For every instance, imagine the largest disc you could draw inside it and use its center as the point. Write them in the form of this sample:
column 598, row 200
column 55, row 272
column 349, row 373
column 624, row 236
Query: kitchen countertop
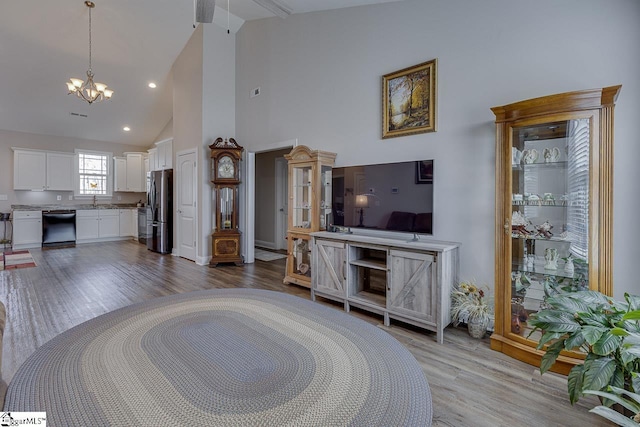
column 87, row 206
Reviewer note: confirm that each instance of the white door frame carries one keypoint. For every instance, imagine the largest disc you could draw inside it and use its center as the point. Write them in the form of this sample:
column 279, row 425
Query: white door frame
column 176, row 247
column 249, row 209
column 282, row 171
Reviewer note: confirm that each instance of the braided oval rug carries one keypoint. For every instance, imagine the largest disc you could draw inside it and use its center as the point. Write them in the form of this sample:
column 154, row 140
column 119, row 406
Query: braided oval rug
column 225, row 357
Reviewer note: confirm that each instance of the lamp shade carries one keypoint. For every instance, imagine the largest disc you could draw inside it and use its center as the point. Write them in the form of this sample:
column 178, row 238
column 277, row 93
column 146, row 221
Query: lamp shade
column 362, row 201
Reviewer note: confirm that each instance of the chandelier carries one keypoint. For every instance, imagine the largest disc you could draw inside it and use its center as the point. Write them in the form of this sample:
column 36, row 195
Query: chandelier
column 88, row 90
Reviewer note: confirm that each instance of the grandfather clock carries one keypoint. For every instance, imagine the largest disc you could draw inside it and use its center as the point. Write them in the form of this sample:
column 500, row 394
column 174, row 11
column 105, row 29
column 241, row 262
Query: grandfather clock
column 225, row 176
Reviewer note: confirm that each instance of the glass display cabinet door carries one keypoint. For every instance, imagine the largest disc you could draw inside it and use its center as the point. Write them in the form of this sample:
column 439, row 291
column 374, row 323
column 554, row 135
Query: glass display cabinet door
column 299, row 247
column 325, row 197
column 302, row 196
column 550, row 220
column 226, row 208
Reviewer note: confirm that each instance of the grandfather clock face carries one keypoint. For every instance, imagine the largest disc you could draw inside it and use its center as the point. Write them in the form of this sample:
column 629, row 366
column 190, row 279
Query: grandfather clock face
column 226, row 168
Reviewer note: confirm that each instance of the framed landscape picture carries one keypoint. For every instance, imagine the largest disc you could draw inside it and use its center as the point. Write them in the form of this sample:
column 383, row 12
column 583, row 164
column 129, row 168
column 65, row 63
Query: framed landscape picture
column 409, row 100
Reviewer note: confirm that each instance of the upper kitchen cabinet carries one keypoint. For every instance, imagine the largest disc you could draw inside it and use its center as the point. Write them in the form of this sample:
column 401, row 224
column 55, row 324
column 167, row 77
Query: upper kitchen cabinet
column 161, row 156
column 554, row 201
column 42, row 170
column 129, row 173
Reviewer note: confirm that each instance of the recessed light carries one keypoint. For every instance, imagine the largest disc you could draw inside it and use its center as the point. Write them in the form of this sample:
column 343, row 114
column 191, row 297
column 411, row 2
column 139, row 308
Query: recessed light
column 126, row 128
column 152, row 85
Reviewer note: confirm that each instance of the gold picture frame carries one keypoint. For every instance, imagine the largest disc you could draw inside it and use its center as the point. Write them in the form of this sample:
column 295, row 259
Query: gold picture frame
column 409, row 100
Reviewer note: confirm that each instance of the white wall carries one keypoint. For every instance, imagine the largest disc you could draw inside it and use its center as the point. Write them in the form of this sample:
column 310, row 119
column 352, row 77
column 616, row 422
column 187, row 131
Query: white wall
column 320, row 75
column 187, row 108
column 204, row 109
column 218, row 113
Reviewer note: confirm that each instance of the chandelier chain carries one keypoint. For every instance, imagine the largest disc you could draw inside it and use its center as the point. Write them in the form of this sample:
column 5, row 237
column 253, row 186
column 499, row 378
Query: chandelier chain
column 90, row 38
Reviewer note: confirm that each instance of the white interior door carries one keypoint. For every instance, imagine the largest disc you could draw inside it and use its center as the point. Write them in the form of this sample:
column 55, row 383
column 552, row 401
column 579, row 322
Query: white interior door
column 186, row 196
column 282, row 202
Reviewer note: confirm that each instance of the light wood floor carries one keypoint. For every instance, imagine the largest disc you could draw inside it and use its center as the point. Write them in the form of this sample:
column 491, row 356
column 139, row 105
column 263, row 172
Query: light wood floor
column 471, row 385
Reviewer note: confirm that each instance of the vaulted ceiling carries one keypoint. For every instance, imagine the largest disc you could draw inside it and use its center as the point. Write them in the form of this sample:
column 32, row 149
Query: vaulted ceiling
column 44, row 43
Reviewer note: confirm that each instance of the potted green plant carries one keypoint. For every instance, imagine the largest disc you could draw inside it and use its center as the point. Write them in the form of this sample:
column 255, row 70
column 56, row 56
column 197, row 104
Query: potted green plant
column 469, row 303
column 607, row 331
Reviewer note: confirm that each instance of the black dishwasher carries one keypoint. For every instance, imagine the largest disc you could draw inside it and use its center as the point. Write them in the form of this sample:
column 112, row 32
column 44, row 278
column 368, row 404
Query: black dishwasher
column 58, row 228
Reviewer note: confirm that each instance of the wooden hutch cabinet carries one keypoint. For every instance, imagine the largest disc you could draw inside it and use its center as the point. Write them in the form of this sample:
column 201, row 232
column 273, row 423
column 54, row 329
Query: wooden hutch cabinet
column 309, row 208
column 225, row 176
column 554, row 201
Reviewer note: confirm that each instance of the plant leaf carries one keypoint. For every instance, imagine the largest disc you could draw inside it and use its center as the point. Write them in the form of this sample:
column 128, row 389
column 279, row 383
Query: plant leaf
column 575, row 340
column 614, row 416
column 599, row 319
column 633, row 300
column 598, row 373
column 619, row 332
column 607, row 344
column 592, row 334
column 632, row 315
column 549, row 358
column 591, row 298
column 548, row 336
column 568, row 303
column 554, row 321
column 574, row 383
column 635, row 383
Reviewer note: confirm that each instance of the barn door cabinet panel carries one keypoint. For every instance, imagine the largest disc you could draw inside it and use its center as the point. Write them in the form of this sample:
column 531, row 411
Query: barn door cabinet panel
column 554, row 201
column 406, row 281
column 330, row 257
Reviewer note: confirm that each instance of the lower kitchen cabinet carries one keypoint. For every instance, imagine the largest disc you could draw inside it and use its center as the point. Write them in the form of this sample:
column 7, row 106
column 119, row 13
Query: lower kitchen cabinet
column 97, row 224
column 398, row 279
column 127, row 225
column 27, row 229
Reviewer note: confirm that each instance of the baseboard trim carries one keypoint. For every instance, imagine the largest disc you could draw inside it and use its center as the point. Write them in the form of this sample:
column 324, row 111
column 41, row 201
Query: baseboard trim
column 264, row 244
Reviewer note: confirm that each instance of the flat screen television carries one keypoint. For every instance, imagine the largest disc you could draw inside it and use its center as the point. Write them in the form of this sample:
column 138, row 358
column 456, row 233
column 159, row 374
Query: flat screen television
column 391, row 196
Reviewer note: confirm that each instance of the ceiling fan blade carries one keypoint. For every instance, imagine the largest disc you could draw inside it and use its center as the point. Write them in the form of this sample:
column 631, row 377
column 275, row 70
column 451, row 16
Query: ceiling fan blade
column 277, row 8
column 204, row 11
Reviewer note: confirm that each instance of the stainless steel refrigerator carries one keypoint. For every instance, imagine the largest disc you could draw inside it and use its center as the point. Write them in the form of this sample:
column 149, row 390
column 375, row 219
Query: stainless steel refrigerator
column 160, row 211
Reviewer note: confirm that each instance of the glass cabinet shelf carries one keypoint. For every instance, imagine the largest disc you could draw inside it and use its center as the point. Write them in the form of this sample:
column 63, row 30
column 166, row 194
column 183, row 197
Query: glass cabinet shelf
column 547, row 165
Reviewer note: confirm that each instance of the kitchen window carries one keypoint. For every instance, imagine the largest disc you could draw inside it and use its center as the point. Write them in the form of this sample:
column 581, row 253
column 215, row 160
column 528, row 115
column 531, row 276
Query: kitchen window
column 94, row 174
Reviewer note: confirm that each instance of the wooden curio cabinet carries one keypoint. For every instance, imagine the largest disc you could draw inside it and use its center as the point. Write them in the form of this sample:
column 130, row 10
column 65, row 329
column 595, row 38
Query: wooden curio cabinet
column 225, row 176
column 309, row 208
column 554, row 201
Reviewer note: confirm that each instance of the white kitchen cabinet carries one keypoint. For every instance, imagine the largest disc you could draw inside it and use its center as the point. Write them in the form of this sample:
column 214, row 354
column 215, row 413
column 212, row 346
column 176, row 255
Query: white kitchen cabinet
column 153, row 159
column 29, row 170
column 27, row 229
column 165, row 154
column 42, row 170
column 109, row 223
column 135, row 172
column 129, row 173
column 126, row 223
column 97, row 224
column 398, row 279
column 60, row 171
column 119, row 174
column 134, row 222
column 87, row 224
